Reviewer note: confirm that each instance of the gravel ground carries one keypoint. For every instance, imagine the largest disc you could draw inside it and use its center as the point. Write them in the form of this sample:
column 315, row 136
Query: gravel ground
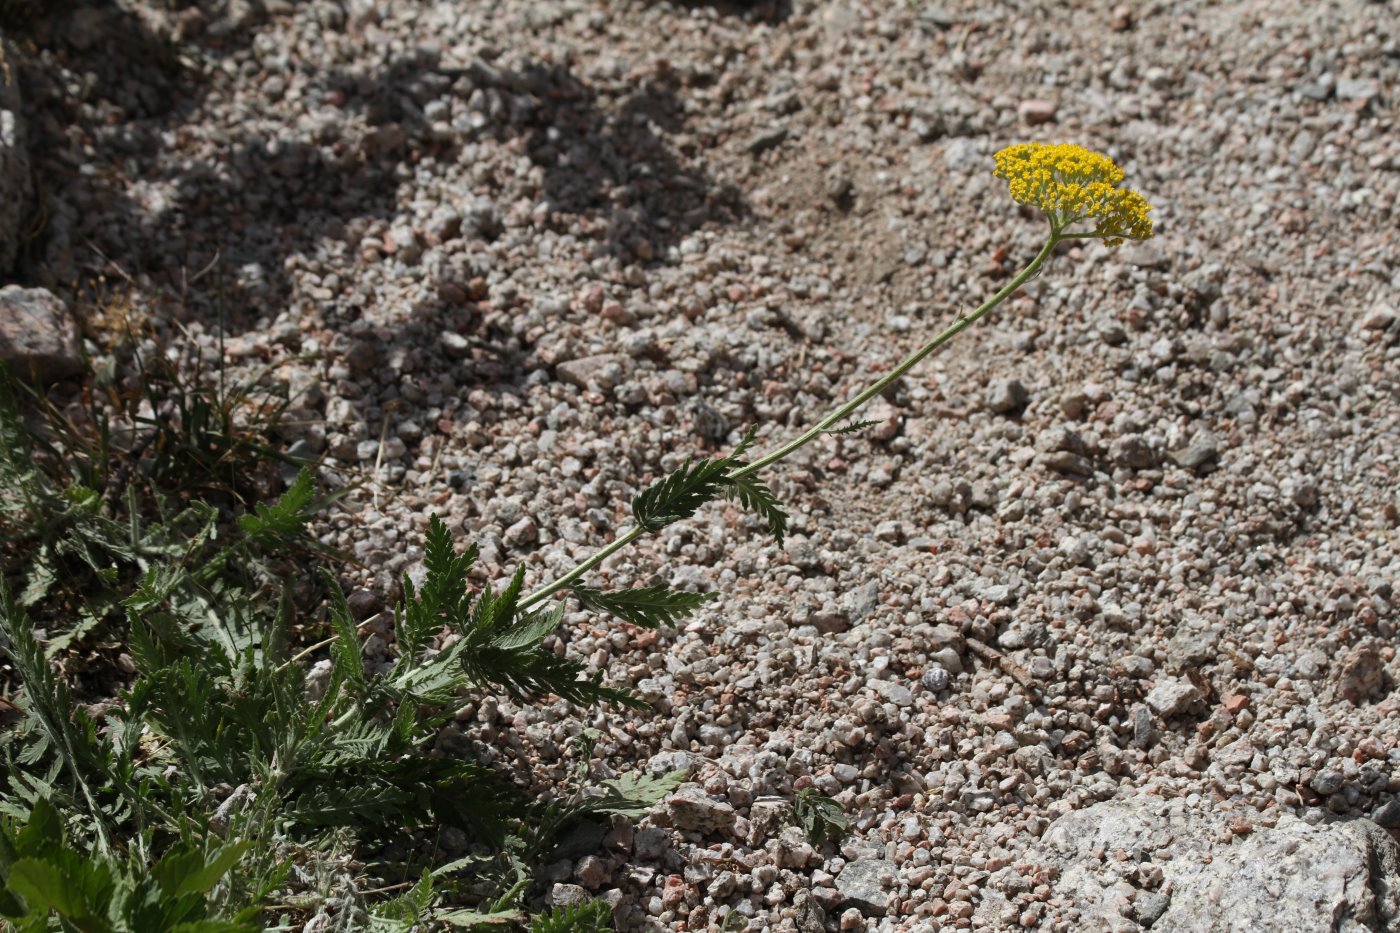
column 1136, row 533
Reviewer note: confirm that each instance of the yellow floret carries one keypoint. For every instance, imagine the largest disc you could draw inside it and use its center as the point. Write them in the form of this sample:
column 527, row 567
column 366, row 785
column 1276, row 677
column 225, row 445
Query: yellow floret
column 1072, row 184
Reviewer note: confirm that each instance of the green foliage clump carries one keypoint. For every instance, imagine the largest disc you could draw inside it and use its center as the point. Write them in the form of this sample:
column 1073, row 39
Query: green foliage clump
column 42, row 875
column 219, row 764
column 820, row 817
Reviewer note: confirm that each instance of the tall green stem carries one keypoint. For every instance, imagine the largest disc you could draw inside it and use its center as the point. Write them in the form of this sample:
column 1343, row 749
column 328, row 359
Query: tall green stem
column 918, row 356
column 831, row 420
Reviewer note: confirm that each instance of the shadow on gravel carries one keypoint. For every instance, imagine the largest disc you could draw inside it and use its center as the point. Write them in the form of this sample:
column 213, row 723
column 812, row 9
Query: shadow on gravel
column 333, row 179
column 764, row 11
column 617, row 167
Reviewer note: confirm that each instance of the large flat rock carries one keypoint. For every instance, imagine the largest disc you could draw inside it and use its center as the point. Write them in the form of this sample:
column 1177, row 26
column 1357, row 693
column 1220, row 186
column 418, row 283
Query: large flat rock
column 38, row 337
column 1150, row 863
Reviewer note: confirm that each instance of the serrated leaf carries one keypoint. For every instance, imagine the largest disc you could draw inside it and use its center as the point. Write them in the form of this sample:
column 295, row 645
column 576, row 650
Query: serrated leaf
column 62, row 883
column 745, row 443
column 42, row 833
column 851, row 428
column 496, row 611
column 475, row 919
column 528, row 631
column 633, row 794
column 43, row 574
column 754, row 495
column 679, row 495
column 589, row 917
column 345, row 650
column 409, row 907
column 648, row 607
column 286, row 516
column 445, row 579
column 183, row 871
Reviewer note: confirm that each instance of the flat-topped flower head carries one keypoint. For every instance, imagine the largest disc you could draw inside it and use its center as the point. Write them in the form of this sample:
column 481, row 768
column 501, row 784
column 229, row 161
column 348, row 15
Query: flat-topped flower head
column 1072, row 184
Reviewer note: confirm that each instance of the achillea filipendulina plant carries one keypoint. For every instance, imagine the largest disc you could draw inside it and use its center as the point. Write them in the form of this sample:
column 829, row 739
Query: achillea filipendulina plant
column 223, row 762
column 1071, row 184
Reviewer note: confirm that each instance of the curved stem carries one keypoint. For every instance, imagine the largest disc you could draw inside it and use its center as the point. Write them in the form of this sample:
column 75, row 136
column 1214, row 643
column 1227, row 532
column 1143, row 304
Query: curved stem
column 909, row 363
column 837, row 416
column 622, row 540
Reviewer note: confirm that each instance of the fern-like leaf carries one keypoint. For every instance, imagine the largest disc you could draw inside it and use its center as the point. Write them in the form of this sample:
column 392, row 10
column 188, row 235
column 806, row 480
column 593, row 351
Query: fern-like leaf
column 507, row 652
column 745, row 443
column 851, row 428
column 345, row 650
column 754, row 495
column 283, row 518
column 631, row 795
column 679, row 495
column 588, row 917
column 443, row 598
column 649, row 607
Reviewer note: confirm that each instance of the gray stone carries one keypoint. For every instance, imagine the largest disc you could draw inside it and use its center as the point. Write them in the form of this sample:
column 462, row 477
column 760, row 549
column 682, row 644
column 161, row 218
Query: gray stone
column 568, row 895
column 1149, row 907
column 603, row 371
column 15, row 185
column 1388, row 815
column 1134, row 452
column 807, row 912
column 693, row 809
column 898, row 694
column 1193, row 644
column 1199, row 454
column 860, row 603
column 1358, row 89
column 1006, row 397
column 1173, row 697
column 1328, row 782
column 767, row 139
column 38, row 337
column 455, row 345
column 1341, row 875
column 862, row 885
column 966, row 156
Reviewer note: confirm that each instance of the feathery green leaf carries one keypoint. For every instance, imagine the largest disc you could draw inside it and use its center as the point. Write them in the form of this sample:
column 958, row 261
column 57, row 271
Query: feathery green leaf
column 679, row 495
column 648, row 607
column 754, row 495
column 851, row 428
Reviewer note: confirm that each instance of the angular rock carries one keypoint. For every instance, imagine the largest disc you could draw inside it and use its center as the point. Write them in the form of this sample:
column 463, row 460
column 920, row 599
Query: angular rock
column 1361, row 675
column 767, row 139
column 862, row 885
column 603, row 371
column 38, row 337
column 15, row 184
column 1379, row 318
column 693, row 809
column 1037, row 111
column 1173, row 697
column 568, row 895
column 1340, row 876
column 898, row 694
column 1133, row 452
column 1006, row 397
column 1063, row 461
column 1200, row 454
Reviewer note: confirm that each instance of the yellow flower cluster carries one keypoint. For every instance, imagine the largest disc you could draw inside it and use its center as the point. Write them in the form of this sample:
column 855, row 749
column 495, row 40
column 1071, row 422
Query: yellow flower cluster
column 1072, row 184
